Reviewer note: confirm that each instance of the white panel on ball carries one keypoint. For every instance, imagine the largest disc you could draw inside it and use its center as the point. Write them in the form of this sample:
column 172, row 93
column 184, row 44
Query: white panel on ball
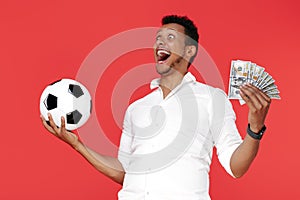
column 67, row 98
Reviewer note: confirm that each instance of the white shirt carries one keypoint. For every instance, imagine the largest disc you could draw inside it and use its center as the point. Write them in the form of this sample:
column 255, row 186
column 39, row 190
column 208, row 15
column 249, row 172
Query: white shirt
column 166, row 144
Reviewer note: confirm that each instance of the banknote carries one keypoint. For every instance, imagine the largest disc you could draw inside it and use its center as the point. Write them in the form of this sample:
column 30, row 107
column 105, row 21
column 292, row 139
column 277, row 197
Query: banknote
column 256, row 72
column 239, row 75
column 270, row 87
column 242, row 72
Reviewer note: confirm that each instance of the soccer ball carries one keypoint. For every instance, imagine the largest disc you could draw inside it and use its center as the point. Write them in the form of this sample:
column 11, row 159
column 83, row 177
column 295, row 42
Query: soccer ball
column 67, row 98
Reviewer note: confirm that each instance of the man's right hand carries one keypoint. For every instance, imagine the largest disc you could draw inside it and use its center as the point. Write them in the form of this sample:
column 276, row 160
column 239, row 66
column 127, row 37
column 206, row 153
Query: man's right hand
column 61, row 132
column 109, row 166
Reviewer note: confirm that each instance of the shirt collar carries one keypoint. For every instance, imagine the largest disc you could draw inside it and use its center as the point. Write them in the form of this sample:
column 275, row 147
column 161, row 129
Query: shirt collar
column 188, row 77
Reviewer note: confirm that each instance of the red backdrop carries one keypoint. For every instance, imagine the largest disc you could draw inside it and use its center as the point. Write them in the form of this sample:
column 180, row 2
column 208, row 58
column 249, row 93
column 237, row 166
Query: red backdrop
column 42, row 41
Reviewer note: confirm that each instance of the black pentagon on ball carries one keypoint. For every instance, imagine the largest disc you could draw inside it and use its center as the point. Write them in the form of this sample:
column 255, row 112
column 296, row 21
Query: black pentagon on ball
column 75, row 90
column 50, row 102
column 55, row 82
column 73, row 117
column 91, row 106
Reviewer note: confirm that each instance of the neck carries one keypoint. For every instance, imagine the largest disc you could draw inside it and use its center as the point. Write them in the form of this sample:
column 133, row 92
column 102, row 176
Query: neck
column 169, row 82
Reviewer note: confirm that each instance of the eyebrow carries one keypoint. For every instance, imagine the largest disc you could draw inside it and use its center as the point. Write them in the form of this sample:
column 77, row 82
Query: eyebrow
column 173, row 29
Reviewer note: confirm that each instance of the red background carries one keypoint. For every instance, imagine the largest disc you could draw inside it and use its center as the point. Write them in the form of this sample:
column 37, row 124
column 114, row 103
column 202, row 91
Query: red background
column 42, row 41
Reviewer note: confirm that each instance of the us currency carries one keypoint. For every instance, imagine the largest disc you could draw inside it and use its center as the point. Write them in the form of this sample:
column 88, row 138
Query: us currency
column 261, row 79
column 239, row 75
column 274, row 96
column 242, row 72
column 270, row 87
column 256, row 73
column 268, row 81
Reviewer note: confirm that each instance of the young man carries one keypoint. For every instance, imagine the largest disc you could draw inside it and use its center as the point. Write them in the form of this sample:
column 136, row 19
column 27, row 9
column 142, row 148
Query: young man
column 168, row 135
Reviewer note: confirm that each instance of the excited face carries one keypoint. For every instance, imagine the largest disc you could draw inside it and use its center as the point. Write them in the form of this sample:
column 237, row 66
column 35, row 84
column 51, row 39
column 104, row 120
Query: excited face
column 170, row 49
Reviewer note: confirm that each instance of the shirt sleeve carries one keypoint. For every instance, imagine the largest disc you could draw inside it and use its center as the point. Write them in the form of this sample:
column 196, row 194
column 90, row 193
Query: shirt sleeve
column 125, row 142
column 225, row 134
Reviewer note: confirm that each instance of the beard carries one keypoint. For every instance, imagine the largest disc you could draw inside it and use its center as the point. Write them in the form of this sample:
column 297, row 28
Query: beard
column 178, row 60
column 163, row 70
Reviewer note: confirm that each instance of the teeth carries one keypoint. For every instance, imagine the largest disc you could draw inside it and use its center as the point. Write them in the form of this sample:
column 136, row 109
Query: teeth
column 160, row 52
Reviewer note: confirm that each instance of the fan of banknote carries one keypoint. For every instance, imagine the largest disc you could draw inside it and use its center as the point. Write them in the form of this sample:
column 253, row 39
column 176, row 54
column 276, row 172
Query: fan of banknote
column 243, row 72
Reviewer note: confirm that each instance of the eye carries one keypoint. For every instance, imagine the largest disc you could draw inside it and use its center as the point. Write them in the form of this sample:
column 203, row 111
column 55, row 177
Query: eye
column 158, row 37
column 171, row 36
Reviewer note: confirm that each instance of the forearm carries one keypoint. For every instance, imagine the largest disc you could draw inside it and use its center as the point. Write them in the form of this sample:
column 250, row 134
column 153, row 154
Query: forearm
column 243, row 156
column 109, row 166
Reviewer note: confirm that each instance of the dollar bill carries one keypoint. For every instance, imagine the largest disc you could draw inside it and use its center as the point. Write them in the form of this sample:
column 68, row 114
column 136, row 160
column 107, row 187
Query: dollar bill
column 270, row 87
column 273, row 91
column 242, row 72
column 256, row 73
column 268, row 81
column 274, row 96
column 261, row 79
column 239, row 73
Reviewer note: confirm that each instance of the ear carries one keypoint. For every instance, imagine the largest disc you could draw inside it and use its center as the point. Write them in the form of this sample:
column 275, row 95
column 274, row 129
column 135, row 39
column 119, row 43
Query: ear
column 190, row 51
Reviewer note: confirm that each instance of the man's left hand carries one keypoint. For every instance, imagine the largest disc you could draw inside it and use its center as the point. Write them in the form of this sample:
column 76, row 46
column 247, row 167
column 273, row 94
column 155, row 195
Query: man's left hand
column 258, row 103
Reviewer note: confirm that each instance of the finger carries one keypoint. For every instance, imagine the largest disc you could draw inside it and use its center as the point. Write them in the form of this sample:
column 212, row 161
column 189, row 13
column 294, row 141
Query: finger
column 247, row 99
column 46, row 125
column 264, row 97
column 63, row 127
column 52, row 124
column 251, row 97
column 70, row 137
column 42, row 119
column 255, row 95
column 63, row 123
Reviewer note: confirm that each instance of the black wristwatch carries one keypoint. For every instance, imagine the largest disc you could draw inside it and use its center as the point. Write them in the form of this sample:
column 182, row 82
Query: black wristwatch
column 258, row 135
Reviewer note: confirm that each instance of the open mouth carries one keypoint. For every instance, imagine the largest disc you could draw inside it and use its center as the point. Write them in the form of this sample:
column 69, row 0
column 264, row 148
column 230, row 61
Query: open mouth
column 162, row 55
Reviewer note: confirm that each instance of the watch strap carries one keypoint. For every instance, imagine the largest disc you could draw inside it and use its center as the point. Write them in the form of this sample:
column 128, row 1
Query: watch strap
column 258, row 135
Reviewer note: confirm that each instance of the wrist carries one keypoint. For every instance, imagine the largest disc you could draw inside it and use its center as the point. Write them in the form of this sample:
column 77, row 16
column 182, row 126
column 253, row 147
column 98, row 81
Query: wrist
column 256, row 128
column 77, row 146
column 256, row 134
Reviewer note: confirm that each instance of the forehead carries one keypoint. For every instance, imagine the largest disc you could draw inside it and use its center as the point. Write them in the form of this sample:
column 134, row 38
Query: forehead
column 171, row 26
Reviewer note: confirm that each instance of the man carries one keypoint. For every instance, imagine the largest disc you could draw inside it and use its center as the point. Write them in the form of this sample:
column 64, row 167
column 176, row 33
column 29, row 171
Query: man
column 168, row 135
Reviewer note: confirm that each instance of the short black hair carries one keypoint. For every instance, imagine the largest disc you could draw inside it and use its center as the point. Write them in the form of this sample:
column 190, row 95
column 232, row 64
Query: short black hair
column 189, row 29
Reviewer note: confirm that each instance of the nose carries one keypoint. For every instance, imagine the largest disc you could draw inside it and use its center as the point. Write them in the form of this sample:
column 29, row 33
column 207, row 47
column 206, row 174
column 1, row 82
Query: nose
column 160, row 42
